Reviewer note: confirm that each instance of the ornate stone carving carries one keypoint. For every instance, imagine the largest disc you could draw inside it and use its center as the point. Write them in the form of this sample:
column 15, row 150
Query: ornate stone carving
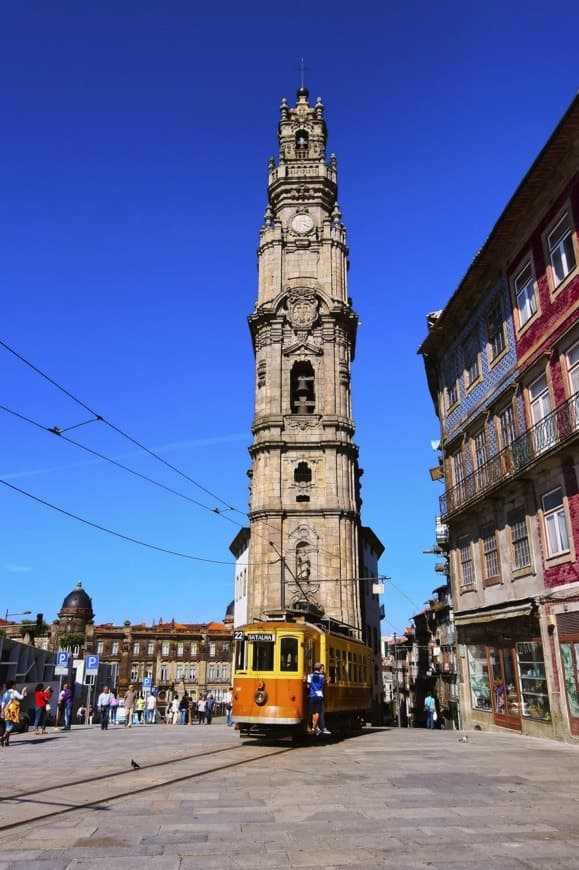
column 302, row 308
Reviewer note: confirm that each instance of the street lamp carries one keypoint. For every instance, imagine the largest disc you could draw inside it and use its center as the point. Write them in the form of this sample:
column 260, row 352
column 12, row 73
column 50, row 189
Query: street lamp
column 20, row 613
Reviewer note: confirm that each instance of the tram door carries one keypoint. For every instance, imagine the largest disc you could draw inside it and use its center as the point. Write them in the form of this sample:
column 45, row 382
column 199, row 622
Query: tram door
column 505, row 692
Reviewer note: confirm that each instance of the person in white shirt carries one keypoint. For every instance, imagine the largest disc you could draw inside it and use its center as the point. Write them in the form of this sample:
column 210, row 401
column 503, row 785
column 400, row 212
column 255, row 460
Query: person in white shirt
column 104, row 707
column 151, row 707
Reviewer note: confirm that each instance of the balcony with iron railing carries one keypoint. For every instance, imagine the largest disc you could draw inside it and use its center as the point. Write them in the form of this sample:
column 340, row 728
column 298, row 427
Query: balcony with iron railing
column 550, row 433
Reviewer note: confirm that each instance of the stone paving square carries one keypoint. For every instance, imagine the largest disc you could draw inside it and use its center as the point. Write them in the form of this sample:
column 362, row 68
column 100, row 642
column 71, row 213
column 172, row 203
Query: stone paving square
column 387, row 798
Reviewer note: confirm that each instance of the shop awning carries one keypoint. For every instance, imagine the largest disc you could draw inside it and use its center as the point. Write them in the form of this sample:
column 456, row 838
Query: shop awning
column 491, row 614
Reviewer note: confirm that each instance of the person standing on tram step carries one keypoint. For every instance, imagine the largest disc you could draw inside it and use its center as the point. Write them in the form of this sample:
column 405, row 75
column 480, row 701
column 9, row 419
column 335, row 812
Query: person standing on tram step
column 316, row 684
column 430, row 710
column 104, row 705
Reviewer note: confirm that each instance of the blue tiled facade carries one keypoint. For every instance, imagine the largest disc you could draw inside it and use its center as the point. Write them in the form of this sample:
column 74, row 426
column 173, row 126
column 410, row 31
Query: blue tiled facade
column 494, row 378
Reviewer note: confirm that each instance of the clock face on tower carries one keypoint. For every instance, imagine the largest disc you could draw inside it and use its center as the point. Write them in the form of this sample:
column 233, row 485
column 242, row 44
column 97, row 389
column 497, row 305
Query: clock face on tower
column 302, row 223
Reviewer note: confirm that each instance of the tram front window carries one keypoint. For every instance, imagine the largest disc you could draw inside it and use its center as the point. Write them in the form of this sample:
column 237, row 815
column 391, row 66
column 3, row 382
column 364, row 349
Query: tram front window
column 289, row 654
column 263, row 656
column 241, row 655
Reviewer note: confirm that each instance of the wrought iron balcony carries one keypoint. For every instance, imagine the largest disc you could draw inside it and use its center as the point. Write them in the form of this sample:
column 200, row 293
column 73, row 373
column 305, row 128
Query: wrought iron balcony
column 552, row 431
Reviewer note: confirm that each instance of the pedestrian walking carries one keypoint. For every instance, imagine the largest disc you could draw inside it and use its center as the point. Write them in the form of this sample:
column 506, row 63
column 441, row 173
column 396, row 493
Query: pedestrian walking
column 183, row 709
column 228, row 699
column 130, row 698
column 39, row 709
column 175, row 711
column 140, row 708
column 65, row 707
column 114, row 705
column 151, row 708
column 10, row 710
column 104, row 707
column 209, row 708
column 430, row 710
column 201, row 705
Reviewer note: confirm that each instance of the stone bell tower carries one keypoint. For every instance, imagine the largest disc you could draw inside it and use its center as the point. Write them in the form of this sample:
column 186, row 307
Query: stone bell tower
column 304, row 547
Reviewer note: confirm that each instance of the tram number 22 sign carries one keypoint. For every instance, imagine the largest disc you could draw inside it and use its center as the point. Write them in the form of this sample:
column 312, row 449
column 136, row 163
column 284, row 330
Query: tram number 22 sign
column 255, row 636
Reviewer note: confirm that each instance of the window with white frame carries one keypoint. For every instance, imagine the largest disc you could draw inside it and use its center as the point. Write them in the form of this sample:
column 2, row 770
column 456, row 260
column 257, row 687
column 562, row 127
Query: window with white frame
column 136, row 648
column 544, row 426
column 164, row 672
column 572, row 357
column 179, row 672
column 471, row 358
column 496, row 329
column 134, row 673
column 521, row 548
column 212, row 650
column 150, row 648
column 194, row 648
column 490, row 552
column 211, row 673
column 100, row 647
column 561, row 251
column 466, row 560
column 165, row 648
column 193, row 673
column 180, row 649
column 115, row 648
column 555, row 522
column 525, row 293
column 224, row 673
column 149, row 670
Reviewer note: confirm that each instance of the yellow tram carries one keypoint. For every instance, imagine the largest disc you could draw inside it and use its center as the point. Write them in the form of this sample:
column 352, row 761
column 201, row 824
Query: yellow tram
column 272, row 661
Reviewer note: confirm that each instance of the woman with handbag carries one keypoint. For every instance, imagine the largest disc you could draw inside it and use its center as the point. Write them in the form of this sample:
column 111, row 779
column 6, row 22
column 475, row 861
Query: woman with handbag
column 10, row 710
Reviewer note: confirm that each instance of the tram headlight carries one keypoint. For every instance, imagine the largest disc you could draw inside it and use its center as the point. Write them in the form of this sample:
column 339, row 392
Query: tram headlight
column 260, row 698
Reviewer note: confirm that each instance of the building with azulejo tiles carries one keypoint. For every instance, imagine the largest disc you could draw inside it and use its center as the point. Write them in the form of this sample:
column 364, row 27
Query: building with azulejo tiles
column 502, row 361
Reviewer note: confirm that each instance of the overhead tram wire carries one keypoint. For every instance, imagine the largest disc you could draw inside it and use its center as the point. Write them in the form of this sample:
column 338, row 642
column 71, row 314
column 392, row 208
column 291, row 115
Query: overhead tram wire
column 118, row 464
column 119, row 431
column 112, row 531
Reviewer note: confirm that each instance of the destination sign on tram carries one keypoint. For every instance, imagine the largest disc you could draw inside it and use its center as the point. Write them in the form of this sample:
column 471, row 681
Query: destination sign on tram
column 260, row 637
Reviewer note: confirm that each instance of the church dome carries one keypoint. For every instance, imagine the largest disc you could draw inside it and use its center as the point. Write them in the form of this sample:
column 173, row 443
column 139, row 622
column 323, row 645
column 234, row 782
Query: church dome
column 229, row 613
column 78, row 601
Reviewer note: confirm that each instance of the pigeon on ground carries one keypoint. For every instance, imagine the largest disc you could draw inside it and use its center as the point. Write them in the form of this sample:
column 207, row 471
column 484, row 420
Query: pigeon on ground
column 134, row 765
column 463, row 739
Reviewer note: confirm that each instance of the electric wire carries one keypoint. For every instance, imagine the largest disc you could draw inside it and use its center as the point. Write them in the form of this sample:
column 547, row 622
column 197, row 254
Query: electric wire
column 118, row 430
column 112, row 531
column 105, row 458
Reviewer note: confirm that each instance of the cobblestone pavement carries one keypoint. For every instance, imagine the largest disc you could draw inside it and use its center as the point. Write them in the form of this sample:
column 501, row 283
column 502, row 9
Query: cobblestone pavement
column 388, row 798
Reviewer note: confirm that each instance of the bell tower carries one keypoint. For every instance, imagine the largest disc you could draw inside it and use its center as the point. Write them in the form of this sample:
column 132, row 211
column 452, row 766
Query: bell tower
column 304, row 547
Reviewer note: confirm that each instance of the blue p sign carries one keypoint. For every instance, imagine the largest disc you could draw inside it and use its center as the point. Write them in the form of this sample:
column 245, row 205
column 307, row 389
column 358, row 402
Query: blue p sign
column 61, row 659
column 91, row 664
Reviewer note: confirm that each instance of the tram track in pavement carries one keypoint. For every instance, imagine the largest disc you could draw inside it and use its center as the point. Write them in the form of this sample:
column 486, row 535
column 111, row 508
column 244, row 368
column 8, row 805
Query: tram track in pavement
column 25, row 806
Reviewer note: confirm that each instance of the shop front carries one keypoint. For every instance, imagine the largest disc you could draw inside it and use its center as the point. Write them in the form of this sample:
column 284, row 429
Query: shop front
column 505, row 681
column 568, row 632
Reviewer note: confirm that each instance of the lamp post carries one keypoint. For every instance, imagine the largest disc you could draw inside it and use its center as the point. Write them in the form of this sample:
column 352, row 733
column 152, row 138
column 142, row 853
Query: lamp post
column 21, row 613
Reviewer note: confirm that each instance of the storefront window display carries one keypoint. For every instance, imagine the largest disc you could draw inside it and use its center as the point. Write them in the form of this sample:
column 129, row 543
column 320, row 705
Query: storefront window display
column 534, row 692
column 570, row 659
column 478, row 668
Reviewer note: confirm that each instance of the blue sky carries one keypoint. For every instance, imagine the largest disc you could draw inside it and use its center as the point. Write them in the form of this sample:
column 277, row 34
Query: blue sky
column 133, row 157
